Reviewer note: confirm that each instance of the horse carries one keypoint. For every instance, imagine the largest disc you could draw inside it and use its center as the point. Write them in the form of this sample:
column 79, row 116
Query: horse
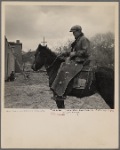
column 102, row 83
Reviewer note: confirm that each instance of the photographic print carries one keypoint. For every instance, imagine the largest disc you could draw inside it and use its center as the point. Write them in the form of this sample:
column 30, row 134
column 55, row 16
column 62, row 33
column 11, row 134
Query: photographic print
column 60, row 62
column 75, row 67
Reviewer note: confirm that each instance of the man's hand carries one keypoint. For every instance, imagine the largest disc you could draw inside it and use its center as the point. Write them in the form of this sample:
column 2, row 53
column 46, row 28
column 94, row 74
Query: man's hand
column 67, row 60
column 72, row 54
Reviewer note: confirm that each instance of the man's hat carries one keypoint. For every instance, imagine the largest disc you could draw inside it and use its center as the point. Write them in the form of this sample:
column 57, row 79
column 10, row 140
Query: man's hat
column 75, row 28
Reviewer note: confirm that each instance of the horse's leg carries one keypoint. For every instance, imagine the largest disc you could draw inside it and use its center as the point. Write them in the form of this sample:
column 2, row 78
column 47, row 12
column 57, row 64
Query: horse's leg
column 60, row 104
column 59, row 100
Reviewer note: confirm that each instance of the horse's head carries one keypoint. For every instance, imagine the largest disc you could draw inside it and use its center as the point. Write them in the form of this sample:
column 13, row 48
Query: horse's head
column 39, row 58
column 43, row 56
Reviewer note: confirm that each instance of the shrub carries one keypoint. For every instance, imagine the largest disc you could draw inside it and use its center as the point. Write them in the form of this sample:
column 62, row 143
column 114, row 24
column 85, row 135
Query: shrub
column 102, row 49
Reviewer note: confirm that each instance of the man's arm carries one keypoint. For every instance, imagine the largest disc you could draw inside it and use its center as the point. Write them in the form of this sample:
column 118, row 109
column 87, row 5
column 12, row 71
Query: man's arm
column 83, row 51
column 84, row 48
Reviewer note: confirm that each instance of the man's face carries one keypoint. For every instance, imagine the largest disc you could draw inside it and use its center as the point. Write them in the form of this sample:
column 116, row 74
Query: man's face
column 76, row 33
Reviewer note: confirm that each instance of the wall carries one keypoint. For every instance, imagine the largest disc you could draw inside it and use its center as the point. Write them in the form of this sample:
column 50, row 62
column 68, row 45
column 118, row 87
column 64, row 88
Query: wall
column 9, row 59
column 18, row 54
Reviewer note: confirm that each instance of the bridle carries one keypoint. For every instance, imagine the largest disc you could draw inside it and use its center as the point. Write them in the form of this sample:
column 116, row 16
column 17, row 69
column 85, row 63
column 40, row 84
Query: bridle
column 52, row 63
column 49, row 66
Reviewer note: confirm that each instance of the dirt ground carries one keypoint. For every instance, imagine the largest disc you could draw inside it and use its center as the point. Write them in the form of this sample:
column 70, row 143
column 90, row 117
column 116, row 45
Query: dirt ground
column 34, row 93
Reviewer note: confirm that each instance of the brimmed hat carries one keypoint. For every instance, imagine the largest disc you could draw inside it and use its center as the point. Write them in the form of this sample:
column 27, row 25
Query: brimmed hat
column 75, row 28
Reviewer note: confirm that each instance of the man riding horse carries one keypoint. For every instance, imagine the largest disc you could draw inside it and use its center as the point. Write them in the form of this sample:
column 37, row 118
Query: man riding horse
column 75, row 60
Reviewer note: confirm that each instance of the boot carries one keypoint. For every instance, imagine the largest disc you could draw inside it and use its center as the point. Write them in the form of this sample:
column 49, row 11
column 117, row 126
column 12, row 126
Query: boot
column 60, row 104
column 60, row 101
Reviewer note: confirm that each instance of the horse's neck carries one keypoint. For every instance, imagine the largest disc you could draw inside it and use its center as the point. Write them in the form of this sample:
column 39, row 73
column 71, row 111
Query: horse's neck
column 52, row 69
column 49, row 60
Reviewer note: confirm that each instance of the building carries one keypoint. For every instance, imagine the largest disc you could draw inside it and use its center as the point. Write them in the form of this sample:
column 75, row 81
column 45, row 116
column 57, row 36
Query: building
column 9, row 59
column 17, row 46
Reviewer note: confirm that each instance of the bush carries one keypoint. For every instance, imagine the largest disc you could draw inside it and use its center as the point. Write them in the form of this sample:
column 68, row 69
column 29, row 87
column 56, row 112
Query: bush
column 65, row 48
column 102, row 50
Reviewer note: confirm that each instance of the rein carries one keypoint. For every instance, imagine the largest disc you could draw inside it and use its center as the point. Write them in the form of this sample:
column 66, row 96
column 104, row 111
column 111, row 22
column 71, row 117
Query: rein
column 52, row 62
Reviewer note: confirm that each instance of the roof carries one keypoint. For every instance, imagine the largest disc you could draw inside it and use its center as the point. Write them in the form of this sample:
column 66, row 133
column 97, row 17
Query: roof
column 13, row 44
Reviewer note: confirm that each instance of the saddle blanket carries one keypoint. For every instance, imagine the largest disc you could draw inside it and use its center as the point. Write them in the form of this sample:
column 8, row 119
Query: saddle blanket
column 65, row 74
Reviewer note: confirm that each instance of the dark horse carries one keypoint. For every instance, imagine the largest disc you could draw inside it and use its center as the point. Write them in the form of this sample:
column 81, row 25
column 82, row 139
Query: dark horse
column 103, row 82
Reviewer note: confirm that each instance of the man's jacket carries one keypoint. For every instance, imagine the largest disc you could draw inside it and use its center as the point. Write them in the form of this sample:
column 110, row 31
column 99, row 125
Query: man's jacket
column 81, row 48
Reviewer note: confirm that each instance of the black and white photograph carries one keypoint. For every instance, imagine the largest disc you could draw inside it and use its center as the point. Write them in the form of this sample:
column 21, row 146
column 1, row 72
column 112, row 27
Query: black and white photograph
column 60, row 57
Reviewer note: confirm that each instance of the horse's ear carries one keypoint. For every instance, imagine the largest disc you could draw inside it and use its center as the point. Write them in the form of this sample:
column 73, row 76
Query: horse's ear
column 40, row 46
column 46, row 45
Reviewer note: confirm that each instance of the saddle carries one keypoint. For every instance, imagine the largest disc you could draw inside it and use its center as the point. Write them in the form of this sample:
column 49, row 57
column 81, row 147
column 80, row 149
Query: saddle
column 66, row 73
column 84, row 78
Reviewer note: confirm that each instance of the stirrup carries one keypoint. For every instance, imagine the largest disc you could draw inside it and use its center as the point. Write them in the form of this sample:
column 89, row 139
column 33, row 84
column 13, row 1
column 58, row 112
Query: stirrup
column 60, row 98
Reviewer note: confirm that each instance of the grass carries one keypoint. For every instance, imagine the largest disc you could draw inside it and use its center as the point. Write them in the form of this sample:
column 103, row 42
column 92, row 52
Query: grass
column 35, row 94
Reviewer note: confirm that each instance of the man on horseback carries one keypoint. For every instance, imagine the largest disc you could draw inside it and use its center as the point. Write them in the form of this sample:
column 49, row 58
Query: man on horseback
column 78, row 56
column 80, row 47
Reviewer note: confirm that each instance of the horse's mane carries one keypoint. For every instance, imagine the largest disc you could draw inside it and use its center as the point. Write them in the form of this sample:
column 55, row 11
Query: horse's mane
column 47, row 51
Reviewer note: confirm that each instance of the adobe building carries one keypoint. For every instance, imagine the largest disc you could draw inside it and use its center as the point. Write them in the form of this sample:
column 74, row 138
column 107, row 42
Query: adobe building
column 17, row 46
column 9, row 59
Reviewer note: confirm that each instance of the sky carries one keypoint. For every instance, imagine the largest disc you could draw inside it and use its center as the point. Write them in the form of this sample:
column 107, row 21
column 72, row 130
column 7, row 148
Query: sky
column 30, row 23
